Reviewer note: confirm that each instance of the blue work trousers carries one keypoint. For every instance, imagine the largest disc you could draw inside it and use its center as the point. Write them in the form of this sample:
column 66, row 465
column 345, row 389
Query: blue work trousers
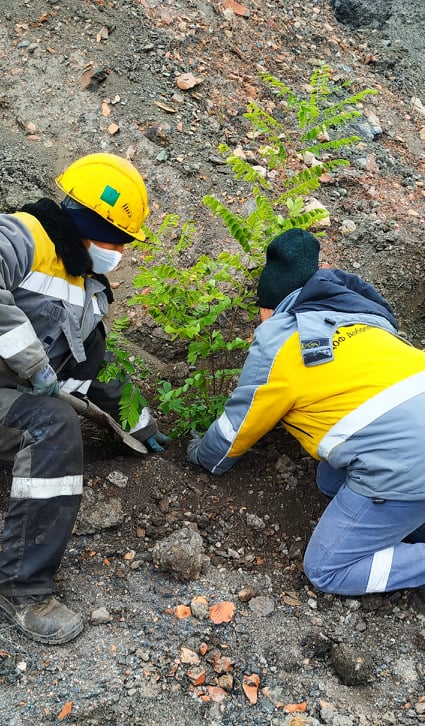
column 361, row 544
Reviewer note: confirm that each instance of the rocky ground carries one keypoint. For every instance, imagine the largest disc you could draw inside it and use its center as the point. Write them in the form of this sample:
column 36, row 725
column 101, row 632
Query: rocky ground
column 218, row 625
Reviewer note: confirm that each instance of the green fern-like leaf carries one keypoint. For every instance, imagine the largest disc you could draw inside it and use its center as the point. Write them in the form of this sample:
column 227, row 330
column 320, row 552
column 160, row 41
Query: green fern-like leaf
column 130, row 406
column 262, row 121
column 186, row 237
column 235, row 223
column 302, row 183
column 243, row 170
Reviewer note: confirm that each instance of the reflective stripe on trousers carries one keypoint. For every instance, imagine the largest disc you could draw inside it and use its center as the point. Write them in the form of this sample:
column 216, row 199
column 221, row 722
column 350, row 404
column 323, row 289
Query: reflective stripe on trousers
column 358, row 545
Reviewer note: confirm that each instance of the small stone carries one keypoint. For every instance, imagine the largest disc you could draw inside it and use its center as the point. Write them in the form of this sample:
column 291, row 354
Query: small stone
column 199, row 607
column 233, row 553
column 255, row 522
column 164, row 505
column 236, row 8
column 225, row 681
column 136, row 564
column 310, row 159
column 361, row 626
column 118, row 479
column 421, row 639
column 159, row 133
column 98, row 513
column 296, row 550
column 418, row 105
column 347, row 226
column 187, row 80
column 314, row 204
column 262, row 606
column 420, row 707
column 99, row 616
column 144, row 655
column 197, row 675
column 247, row 594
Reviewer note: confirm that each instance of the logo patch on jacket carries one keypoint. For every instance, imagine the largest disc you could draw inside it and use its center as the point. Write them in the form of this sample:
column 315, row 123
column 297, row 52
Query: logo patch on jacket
column 316, row 351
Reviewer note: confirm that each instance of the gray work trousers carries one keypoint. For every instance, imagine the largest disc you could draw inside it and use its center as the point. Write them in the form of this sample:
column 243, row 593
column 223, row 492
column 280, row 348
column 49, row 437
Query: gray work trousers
column 41, row 438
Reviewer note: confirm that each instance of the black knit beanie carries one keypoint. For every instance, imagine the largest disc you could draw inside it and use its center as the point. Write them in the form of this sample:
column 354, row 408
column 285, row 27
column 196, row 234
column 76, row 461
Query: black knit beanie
column 291, row 259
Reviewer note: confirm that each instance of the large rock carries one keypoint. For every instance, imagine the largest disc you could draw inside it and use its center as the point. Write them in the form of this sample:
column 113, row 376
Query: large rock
column 181, row 554
column 98, row 513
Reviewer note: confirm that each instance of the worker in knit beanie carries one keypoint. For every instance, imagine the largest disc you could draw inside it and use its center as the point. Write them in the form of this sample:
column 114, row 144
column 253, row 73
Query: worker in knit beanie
column 327, row 365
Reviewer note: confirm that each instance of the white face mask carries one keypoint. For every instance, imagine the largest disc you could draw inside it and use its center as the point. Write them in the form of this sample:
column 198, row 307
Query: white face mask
column 104, row 260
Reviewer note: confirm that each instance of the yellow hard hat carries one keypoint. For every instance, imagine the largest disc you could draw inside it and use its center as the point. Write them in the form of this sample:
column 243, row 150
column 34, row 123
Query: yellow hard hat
column 110, row 186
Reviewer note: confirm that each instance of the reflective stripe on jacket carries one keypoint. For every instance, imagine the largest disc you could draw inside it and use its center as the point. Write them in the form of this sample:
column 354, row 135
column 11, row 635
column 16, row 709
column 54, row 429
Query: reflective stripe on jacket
column 45, row 313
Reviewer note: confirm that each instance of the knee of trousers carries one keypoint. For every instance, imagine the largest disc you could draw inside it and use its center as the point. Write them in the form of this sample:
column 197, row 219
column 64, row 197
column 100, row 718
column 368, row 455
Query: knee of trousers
column 52, row 443
column 56, row 418
column 321, row 577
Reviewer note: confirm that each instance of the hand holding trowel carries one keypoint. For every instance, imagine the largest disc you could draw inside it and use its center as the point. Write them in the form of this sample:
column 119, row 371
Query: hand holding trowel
column 84, row 408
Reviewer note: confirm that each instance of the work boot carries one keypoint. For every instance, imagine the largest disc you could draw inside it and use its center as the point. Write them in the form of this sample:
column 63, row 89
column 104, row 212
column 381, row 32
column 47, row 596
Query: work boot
column 42, row 618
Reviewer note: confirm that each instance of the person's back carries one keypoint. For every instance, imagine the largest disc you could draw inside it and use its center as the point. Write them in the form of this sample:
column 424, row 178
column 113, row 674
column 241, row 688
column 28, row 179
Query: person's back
column 335, row 410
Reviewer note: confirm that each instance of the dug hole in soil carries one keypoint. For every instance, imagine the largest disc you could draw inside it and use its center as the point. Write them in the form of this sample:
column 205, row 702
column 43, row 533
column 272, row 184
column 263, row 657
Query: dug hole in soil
column 219, row 625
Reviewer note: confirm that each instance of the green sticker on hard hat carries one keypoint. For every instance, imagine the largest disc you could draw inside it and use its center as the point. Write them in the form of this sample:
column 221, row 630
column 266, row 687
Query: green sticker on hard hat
column 109, row 195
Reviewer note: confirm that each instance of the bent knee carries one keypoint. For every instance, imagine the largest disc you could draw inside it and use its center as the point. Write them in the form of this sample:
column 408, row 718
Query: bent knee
column 322, row 578
column 54, row 411
column 56, row 420
column 322, row 581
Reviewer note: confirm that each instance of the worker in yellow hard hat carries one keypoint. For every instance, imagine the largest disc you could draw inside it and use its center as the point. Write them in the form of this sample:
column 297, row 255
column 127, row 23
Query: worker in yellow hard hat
column 53, row 296
column 110, row 187
column 107, row 202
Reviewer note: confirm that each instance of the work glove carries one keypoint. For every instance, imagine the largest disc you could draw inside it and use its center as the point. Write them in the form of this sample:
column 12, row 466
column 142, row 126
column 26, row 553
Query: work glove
column 146, row 430
column 192, row 448
column 154, row 442
column 44, row 382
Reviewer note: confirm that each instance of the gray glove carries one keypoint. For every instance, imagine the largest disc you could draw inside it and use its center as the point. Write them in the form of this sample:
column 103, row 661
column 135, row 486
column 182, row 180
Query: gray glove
column 192, row 448
column 44, row 382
